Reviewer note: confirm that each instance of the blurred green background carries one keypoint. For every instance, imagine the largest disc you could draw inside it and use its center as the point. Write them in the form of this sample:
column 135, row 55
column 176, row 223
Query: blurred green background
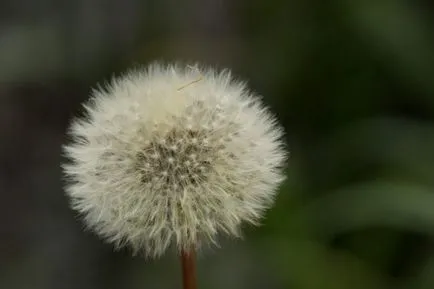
column 352, row 82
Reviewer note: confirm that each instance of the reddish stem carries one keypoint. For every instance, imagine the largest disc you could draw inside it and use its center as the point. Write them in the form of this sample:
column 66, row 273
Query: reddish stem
column 188, row 270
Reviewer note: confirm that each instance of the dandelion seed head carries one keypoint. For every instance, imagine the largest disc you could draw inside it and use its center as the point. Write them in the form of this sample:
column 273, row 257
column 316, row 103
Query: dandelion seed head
column 156, row 162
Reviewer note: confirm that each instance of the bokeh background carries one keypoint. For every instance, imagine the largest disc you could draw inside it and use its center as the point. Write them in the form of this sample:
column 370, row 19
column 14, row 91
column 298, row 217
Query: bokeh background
column 351, row 80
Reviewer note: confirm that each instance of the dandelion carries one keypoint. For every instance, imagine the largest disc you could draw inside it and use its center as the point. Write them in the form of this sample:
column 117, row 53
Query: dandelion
column 173, row 156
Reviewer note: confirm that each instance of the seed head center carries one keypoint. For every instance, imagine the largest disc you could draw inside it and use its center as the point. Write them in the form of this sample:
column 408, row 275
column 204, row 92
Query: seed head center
column 178, row 159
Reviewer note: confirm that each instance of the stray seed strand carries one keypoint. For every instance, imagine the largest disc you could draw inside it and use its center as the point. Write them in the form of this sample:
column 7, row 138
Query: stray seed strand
column 190, row 83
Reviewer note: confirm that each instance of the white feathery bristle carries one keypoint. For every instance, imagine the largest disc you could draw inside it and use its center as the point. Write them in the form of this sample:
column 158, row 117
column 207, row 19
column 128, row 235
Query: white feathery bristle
column 173, row 155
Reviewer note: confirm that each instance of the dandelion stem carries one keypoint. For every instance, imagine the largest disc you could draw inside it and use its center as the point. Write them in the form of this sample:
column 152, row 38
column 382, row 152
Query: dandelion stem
column 188, row 269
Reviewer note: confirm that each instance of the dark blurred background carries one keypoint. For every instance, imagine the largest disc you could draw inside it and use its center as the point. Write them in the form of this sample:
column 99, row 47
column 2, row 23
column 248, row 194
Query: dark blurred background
column 351, row 80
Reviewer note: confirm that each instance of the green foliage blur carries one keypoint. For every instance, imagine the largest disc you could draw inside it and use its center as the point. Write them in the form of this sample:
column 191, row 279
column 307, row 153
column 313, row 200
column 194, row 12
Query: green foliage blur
column 351, row 81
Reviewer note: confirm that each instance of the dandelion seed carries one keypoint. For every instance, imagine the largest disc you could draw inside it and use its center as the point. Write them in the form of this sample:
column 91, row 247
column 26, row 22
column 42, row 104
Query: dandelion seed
column 146, row 171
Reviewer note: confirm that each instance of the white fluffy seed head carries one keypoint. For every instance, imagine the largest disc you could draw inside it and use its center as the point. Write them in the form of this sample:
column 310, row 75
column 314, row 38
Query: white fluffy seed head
column 173, row 155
